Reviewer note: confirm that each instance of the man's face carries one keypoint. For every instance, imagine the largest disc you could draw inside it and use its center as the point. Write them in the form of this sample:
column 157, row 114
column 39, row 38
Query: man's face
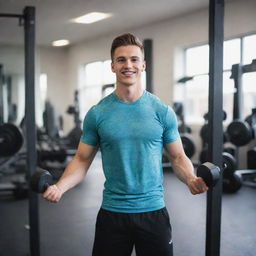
column 128, row 63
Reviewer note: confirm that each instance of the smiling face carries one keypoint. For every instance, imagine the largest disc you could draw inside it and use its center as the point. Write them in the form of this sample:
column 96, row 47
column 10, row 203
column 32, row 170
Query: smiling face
column 128, row 63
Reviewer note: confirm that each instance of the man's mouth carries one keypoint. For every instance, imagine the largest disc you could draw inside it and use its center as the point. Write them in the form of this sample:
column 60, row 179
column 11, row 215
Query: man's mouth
column 128, row 73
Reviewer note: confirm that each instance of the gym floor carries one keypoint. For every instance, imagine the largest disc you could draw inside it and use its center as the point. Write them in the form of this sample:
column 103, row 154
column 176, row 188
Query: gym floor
column 67, row 228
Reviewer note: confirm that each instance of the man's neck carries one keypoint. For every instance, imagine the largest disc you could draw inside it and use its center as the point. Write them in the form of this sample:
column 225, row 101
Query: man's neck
column 128, row 94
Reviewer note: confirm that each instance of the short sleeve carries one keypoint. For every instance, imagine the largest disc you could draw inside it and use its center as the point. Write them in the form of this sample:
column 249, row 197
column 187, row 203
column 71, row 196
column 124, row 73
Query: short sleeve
column 90, row 135
column 171, row 132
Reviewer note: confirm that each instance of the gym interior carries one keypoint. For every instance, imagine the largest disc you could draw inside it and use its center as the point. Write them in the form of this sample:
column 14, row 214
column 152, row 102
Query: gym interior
column 55, row 67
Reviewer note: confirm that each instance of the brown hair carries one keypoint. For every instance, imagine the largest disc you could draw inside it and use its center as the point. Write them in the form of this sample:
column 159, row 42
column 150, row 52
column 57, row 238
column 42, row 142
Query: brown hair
column 124, row 40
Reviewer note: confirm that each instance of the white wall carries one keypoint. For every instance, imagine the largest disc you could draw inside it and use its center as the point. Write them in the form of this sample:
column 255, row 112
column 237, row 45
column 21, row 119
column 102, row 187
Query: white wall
column 54, row 62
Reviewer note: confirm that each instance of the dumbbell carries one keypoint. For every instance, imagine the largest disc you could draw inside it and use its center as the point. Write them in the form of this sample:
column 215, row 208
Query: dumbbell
column 40, row 181
column 209, row 172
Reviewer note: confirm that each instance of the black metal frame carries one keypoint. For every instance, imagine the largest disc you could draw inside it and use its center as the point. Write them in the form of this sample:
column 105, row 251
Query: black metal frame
column 236, row 73
column 1, row 94
column 148, row 51
column 215, row 143
column 28, row 17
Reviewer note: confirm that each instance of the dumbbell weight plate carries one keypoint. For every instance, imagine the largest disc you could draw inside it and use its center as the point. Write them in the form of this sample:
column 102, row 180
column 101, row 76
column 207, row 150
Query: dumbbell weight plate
column 240, row 133
column 232, row 183
column 209, row 172
column 229, row 164
column 40, row 180
column 188, row 145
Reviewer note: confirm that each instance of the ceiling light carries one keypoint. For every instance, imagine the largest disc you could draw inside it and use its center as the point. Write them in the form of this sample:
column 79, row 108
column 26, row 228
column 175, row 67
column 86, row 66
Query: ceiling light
column 91, row 17
column 61, row 42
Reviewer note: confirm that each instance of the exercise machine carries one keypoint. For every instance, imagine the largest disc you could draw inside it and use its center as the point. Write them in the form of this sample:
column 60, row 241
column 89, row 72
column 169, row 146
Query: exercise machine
column 242, row 132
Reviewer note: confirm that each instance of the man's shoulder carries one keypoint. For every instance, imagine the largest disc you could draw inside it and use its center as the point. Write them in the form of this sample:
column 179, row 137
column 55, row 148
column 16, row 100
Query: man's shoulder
column 104, row 103
column 155, row 101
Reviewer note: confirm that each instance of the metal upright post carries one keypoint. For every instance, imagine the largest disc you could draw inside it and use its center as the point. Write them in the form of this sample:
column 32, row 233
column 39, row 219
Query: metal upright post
column 29, row 27
column 148, row 46
column 1, row 95
column 236, row 74
column 215, row 143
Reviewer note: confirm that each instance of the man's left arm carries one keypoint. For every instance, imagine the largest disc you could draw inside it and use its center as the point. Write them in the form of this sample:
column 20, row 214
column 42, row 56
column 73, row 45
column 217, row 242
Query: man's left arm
column 183, row 167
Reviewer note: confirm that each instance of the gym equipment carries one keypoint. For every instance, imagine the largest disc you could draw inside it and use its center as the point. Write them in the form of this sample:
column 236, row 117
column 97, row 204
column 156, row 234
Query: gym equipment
column 187, row 141
column 232, row 182
column 204, row 131
column 148, row 52
column 242, row 132
column 40, row 180
column 209, row 172
column 11, row 139
column 50, row 121
column 215, row 108
column 59, row 155
column 251, row 158
column 239, row 131
column 19, row 189
column 74, row 135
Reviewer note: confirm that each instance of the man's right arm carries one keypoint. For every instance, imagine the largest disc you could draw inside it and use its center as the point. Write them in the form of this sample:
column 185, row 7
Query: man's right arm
column 74, row 172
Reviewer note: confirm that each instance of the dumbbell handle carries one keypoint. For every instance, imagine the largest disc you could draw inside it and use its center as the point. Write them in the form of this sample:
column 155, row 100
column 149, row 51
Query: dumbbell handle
column 46, row 186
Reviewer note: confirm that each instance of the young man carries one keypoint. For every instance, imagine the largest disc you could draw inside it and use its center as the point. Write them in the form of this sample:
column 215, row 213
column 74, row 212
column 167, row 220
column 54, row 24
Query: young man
column 131, row 127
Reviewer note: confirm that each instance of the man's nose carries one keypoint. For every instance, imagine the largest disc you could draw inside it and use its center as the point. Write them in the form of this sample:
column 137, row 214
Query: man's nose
column 128, row 64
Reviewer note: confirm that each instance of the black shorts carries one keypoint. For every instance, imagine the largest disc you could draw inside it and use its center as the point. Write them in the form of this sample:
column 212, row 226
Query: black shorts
column 117, row 233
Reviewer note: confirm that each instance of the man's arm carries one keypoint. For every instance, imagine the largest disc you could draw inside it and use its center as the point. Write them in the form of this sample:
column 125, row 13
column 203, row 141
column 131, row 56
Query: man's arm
column 74, row 172
column 183, row 167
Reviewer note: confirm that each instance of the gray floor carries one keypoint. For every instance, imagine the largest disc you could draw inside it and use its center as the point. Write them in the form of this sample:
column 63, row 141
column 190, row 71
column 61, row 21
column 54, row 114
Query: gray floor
column 67, row 228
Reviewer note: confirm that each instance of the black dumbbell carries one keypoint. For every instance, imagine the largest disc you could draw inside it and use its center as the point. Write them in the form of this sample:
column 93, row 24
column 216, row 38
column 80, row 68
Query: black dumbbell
column 209, row 172
column 40, row 181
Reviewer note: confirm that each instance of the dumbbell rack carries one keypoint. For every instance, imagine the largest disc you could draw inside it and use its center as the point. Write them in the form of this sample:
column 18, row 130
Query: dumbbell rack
column 238, row 138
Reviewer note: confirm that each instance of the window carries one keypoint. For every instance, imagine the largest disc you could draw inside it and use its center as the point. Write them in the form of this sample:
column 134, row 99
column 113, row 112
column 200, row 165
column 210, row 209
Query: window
column 92, row 77
column 249, row 79
column 194, row 92
column 43, row 87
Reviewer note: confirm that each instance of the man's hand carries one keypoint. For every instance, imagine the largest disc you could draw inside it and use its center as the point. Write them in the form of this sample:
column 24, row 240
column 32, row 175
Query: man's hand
column 197, row 185
column 53, row 194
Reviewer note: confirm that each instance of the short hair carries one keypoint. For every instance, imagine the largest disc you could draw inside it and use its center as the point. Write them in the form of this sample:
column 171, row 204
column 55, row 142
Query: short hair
column 124, row 40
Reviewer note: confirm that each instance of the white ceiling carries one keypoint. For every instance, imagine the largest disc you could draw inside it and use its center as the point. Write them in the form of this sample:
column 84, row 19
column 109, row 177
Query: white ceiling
column 52, row 17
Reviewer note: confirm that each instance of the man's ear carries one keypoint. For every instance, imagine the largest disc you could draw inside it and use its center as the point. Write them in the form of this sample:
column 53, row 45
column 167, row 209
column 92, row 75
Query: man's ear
column 144, row 66
column 112, row 67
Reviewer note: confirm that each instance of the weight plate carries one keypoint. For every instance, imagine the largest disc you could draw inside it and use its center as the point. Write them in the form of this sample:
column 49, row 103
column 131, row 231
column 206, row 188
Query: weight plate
column 11, row 139
column 232, row 184
column 240, row 133
column 188, row 145
column 40, row 180
column 229, row 164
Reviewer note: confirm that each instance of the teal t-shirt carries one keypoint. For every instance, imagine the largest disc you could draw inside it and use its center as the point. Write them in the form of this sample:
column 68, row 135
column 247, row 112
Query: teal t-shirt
column 131, row 136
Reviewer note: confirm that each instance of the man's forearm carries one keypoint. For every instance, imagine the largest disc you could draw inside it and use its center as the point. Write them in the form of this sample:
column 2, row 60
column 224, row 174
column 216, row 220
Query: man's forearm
column 73, row 174
column 183, row 168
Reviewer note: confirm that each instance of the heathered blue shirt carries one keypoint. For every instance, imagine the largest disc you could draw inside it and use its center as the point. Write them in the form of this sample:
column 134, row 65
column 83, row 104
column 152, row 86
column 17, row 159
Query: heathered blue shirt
column 131, row 136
